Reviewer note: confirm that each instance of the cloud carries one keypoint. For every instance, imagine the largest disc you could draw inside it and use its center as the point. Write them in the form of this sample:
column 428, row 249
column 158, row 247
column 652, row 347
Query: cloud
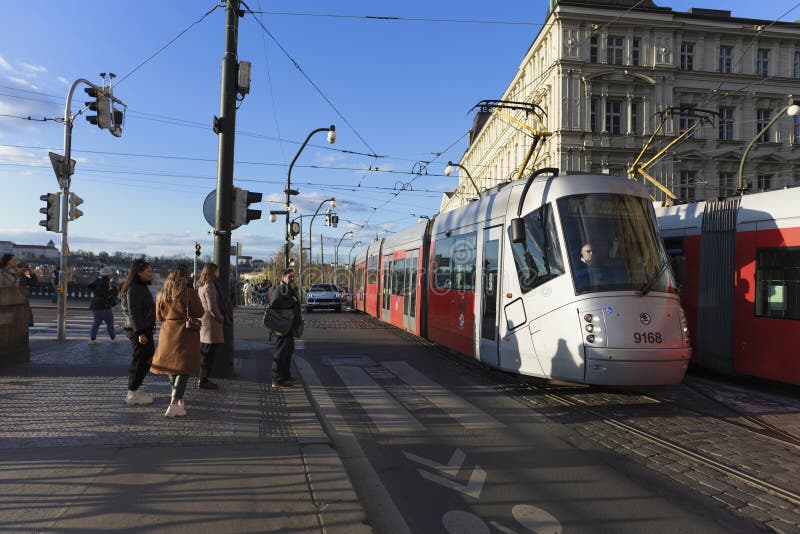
column 32, row 70
column 63, row 80
column 23, row 82
column 5, row 65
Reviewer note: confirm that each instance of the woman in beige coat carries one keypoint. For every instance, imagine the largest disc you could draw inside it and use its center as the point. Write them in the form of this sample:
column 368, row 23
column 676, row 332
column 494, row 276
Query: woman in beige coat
column 178, row 352
column 211, row 333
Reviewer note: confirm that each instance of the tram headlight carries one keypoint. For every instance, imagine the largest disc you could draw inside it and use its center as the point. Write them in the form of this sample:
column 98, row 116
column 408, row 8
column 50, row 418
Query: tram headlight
column 590, row 338
column 589, row 318
column 684, row 328
column 590, row 328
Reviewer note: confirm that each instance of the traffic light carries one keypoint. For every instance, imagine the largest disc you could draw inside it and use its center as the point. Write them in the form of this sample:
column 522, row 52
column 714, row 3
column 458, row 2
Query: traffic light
column 197, row 249
column 241, row 202
column 117, row 118
column 334, row 220
column 328, row 217
column 51, row 222
column 102, row 106
column 74, row 202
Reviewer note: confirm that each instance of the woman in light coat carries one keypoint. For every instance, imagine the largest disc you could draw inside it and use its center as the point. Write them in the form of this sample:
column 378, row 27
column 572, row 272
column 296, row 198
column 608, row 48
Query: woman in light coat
column 211, row 333
column 178, row 352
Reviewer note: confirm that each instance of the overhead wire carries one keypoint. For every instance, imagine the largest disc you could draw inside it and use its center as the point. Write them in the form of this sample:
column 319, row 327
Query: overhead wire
column 389, row 18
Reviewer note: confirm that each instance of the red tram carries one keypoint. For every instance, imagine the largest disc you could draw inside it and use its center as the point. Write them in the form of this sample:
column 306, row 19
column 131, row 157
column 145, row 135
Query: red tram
column 739, row 264
column 501, row 280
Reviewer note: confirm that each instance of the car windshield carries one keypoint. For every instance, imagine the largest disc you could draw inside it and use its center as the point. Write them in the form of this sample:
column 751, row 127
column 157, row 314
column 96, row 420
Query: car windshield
column 324, row 287
column 613, row 244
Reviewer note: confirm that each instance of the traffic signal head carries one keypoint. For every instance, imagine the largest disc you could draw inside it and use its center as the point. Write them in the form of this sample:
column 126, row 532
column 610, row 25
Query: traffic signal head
column 334, row 220
column 74, row 202
column 117, row 118
column 197, row 249
column 328, row 217
column 101, row 105
column 241, row 202
column 51, row 212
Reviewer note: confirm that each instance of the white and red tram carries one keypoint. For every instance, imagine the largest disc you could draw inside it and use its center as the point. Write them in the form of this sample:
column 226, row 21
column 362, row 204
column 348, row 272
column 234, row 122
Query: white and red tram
column 738, row 261
column 501, row 280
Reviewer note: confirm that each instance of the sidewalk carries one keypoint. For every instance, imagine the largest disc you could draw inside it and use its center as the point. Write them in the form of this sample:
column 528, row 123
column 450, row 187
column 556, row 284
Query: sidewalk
column 247, row 458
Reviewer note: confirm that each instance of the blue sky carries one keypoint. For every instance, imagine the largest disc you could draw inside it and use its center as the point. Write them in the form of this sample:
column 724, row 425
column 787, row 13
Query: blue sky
column 404, row 87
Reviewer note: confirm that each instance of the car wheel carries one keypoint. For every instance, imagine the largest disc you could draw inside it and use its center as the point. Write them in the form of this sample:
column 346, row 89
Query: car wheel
column 338, row 309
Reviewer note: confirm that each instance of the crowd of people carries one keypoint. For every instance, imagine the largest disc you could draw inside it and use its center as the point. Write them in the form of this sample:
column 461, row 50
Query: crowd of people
column 254, row 294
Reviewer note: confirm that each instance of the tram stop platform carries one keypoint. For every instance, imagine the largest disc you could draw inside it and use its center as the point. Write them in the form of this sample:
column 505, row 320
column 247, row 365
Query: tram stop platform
column 246, row 458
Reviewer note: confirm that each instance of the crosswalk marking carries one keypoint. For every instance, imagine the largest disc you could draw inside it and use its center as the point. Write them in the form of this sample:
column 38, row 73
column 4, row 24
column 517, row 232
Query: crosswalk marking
column 466, row 414
column 386, row 413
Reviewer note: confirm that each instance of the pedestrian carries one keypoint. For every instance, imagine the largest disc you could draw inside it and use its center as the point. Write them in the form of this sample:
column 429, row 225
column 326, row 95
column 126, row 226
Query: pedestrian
column 211, row 333
column 27, row 280
column 54, row 296
column 178, row 353
column 9, row 275
column 140, row 324
column 103, row 300
column 284, row 300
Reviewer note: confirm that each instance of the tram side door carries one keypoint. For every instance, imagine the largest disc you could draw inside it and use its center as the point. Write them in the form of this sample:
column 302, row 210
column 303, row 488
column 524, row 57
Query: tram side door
column 386, row 295
column 489, row 289
column 410, row 300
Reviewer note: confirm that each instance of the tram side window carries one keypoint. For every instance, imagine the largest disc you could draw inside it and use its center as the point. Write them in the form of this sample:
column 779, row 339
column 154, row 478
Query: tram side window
column 778, row 282
column 464, row 258
column 677, row 257
column 372, row 270
column 387, row 281
column 399, row 274
column 442, row 263
column 359, row 284
column 538, row 259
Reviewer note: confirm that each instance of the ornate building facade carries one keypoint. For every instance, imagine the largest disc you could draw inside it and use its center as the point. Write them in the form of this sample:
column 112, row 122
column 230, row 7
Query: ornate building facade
column 604, row 71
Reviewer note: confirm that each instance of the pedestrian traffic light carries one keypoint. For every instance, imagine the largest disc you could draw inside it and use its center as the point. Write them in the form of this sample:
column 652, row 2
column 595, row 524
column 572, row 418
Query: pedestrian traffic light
column 197, row 249
column 117, row 118
column 334, row 220
column 102, row 106
column 51, row 211
column 241, row 202
column 74, row 202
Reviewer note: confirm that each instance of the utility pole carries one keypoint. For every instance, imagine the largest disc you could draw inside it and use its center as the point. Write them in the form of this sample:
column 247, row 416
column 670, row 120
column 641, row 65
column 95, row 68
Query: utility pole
column 322, row 257
column 225, row 127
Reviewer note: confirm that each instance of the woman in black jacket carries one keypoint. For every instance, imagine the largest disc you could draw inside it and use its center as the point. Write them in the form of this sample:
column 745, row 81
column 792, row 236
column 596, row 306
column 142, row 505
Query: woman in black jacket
column 140, row 323
column 284, row 298
column 104, row 298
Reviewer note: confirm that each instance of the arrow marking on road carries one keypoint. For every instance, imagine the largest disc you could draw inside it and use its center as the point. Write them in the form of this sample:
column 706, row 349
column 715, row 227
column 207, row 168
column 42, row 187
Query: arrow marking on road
column 472, row 488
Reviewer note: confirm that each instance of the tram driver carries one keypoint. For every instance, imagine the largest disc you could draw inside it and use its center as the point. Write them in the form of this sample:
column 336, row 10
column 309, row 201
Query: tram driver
column 596, row 267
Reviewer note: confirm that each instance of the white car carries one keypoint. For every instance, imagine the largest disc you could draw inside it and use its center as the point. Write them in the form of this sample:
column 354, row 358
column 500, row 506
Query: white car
column 323, row 296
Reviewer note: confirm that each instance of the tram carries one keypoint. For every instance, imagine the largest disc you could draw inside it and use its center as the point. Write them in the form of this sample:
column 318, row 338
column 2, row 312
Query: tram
column 738, row 264
column 503, row 280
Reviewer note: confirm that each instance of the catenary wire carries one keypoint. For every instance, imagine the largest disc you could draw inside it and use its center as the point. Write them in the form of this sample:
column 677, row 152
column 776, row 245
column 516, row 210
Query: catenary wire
column 382, row 18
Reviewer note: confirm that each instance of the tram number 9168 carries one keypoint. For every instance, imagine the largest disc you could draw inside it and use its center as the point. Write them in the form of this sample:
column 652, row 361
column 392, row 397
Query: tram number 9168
column 651, row 338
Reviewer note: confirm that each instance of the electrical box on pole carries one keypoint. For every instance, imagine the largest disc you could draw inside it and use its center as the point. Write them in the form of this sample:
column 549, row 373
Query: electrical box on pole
column 51, row 212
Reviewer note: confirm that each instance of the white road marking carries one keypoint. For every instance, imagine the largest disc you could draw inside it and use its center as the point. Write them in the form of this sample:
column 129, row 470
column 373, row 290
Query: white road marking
column 460, row 522
column 451, row 468
column 386, row 413
column 535, row 519
column 385, row 514
column 466, row 414
column 472, row 488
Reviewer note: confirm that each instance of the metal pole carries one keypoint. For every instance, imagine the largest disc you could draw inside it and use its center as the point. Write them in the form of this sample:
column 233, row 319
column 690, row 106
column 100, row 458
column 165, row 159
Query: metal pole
column 322, row 257
column 222, row 222
column 740, row 189
column 64, row 182
column 194, row 268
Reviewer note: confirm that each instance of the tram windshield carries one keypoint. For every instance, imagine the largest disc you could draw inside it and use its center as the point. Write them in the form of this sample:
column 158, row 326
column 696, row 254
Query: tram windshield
column 613, row 245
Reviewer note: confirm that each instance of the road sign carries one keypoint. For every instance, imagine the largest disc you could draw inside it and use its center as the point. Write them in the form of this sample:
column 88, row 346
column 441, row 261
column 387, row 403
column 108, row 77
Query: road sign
column 57, row 160
column 210, row 211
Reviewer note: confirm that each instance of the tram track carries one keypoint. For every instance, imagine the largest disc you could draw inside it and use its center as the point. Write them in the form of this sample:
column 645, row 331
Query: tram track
column 555, row 394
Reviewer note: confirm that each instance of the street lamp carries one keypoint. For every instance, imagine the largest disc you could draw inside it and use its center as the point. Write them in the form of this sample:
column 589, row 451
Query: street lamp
column 336, row 254
column 791, row 109
column 351, row 250
column 449, row 170
column 289, row 191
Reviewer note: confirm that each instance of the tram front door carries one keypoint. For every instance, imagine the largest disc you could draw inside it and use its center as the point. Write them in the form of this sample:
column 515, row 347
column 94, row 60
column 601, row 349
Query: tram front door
column 489, row 281
column 410, row 291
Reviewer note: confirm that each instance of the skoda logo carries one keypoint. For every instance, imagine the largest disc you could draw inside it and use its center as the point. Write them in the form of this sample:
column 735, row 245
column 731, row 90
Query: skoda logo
column 645, row 318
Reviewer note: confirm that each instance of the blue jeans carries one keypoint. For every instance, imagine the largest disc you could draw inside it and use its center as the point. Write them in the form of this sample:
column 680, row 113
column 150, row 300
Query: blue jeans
column 99, row 317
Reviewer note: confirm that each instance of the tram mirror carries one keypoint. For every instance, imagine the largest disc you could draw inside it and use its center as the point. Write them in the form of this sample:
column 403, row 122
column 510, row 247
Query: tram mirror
column 517, row 230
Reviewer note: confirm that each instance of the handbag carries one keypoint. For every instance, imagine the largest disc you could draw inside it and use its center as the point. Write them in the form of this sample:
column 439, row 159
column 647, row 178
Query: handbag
column 191, row 323
column 277, row 322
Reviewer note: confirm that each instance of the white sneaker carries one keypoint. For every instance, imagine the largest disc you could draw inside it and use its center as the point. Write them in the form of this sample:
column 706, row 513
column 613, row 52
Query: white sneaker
column 92, row 342
column 138, row 397
column 173, row 410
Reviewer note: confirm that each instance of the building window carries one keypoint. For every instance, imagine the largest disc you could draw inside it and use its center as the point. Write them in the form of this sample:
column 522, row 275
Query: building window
column 764, row 182
column 762, row 119
column 796, row 66
column 726, row 185
column 614, row 117
column 726, row 123
column 687, row 56
column 593, row 49
column 686, row 185
column 595, row 116
column 636, row 52
column 778, row 282
column 614, row 49
column 726, row 58
column 796, row 129
column 762, row 62
column 635, row 117
column 687, row 121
